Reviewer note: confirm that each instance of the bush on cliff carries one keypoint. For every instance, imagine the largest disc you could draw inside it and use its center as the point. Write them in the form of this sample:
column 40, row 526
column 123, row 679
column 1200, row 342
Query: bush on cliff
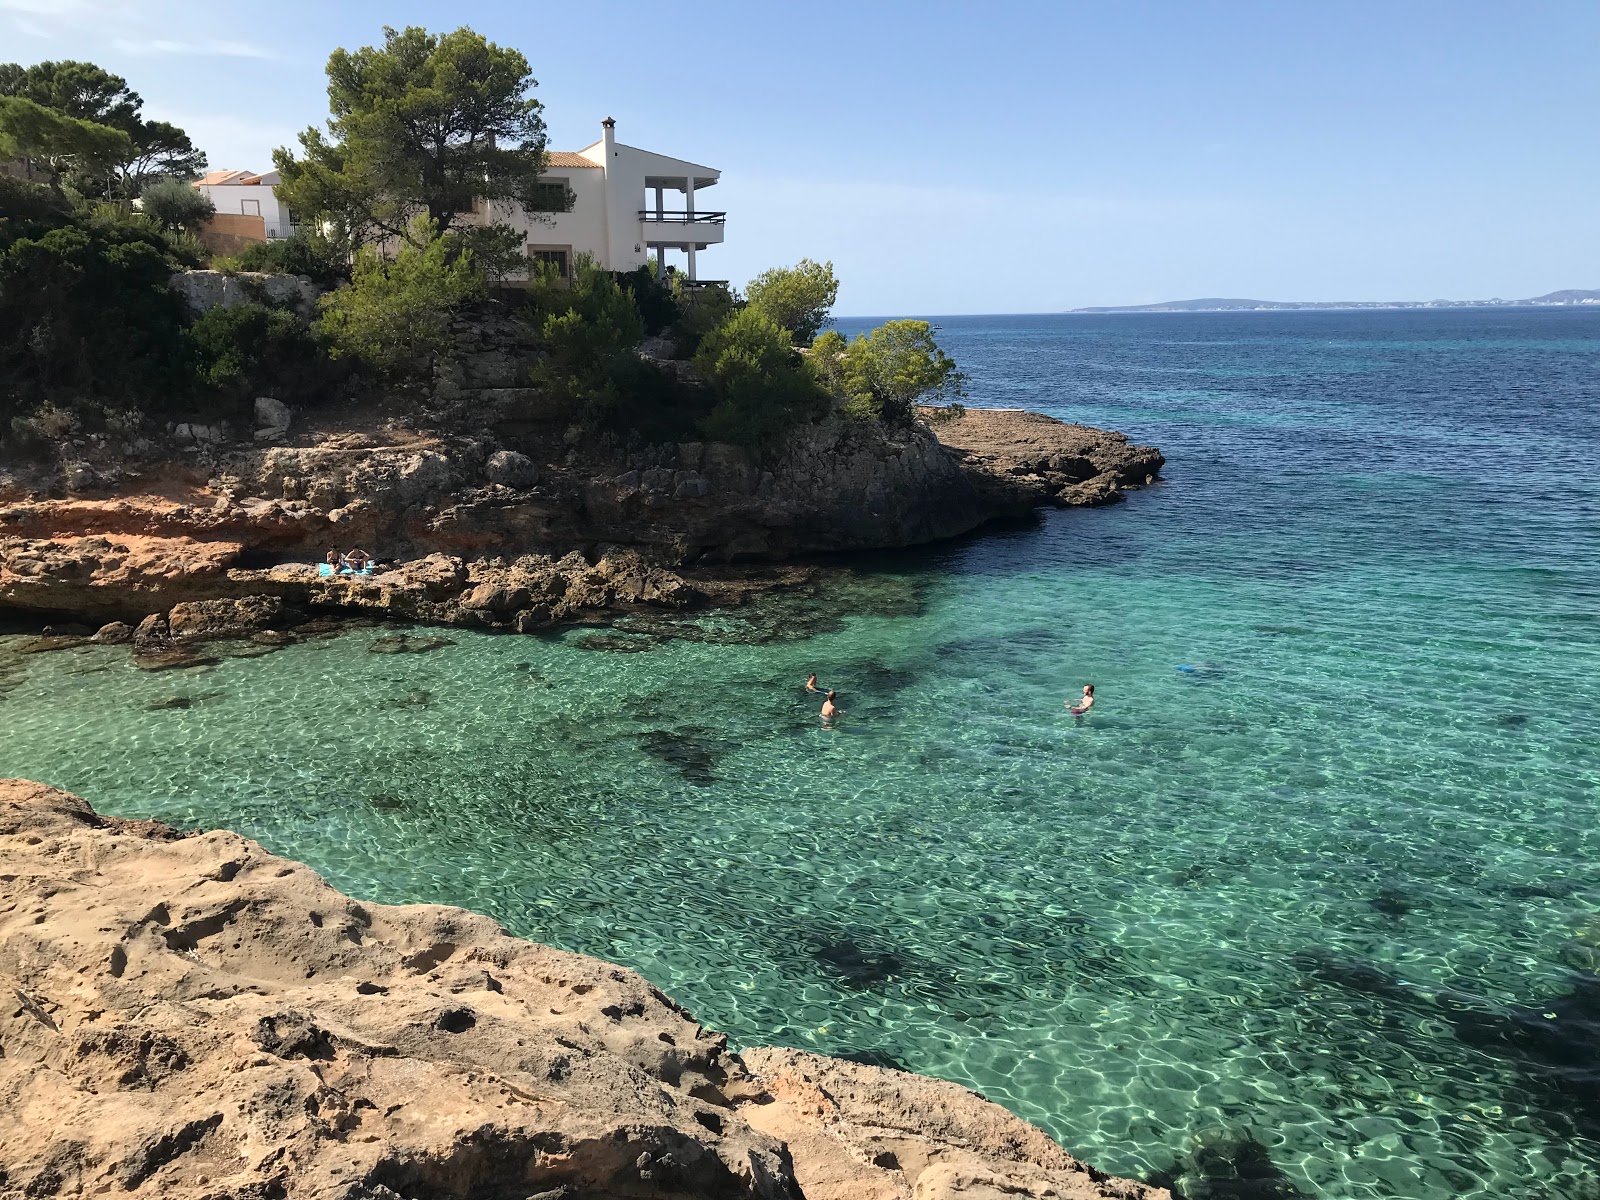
column 176, row 206
column 799, row 298
column 86, row 317
column 395, row 315
column 316, row 257
column 658, row 306
column 700, row 310
column 588, row 327
column 882, row 375
column 254, row 350
column 763, row 387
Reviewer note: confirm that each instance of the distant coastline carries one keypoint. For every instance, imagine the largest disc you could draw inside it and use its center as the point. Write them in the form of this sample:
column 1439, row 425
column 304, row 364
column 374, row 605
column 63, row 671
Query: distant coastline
column 1570, row 298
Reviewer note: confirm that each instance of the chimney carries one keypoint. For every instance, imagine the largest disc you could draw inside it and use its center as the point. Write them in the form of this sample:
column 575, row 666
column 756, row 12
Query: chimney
column 610, row 126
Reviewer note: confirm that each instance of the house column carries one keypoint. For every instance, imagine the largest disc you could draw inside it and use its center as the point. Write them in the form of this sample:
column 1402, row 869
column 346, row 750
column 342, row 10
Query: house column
column 661, row 204
column 688, row 204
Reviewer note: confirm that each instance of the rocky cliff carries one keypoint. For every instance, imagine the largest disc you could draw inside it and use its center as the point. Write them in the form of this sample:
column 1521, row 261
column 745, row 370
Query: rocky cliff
column 188, row 1016
column 500, row 537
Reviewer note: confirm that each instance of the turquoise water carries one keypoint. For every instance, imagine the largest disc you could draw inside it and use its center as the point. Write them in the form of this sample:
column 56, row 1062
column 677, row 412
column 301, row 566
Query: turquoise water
column 1321, row 907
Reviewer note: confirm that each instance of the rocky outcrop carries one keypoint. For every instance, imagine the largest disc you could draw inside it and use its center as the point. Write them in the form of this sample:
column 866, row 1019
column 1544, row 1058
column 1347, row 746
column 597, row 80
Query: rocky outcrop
column 502, row 514
column 205, row 290
column 1046, row 461
column 190, row 1016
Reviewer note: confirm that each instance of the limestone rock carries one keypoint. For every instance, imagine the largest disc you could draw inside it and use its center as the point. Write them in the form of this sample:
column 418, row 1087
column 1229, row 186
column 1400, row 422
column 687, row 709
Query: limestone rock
column 198, row 619
column 273, row 418
column 199, row 435
column 151, row 633
column 202, row 291
column 113, row 632
column 190, row 1016
column 510, row 469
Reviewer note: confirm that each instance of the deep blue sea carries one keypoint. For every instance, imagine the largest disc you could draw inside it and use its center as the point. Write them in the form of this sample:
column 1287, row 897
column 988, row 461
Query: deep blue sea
column 1312, row 898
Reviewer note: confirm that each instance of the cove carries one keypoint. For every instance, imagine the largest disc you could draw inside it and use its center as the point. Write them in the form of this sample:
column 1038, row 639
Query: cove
column 1304, row 907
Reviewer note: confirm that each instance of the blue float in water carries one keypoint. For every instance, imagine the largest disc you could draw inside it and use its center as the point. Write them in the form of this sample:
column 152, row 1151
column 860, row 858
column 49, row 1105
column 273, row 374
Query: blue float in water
column 1187, row 670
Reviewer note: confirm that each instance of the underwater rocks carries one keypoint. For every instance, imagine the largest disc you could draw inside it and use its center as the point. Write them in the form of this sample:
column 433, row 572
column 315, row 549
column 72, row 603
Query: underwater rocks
column 1227, row 1166
column 191, row 1016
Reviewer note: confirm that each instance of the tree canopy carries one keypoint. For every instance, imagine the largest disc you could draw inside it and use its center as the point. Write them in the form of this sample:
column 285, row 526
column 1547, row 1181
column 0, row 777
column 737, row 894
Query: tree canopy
column 56, row 142
column 797, row 298
column 424, row 125
column 394, row 316
column 174, row 205
column 882, row 374
column 83, row 92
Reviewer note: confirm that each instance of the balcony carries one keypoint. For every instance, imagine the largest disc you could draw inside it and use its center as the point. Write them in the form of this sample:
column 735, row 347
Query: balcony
column 682, row 228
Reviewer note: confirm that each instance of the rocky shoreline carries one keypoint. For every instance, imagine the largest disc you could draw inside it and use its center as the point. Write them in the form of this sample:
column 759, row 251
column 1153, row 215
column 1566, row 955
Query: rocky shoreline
column 221, row 538
column 193, row 1017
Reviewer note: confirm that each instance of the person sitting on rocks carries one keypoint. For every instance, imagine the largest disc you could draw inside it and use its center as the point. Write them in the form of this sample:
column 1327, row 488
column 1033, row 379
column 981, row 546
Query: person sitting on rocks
column 335, row 560
column 357, row 561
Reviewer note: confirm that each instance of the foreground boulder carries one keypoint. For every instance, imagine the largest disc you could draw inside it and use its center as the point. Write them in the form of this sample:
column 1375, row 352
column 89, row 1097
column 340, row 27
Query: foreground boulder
column 189, row 1016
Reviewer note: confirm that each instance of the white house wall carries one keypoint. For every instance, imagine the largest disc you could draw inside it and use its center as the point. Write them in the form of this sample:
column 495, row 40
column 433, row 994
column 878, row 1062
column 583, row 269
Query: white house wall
column 583, row 230
column 230, row 198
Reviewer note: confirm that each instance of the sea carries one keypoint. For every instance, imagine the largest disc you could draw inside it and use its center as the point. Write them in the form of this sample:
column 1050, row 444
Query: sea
column 1307, row 906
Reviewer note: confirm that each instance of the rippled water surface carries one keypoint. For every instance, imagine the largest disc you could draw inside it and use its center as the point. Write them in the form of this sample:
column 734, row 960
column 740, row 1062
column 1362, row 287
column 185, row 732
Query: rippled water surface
column 1324, row 906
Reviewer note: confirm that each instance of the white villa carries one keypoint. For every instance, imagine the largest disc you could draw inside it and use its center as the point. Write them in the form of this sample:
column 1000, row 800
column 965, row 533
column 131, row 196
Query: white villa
column 619, row 210
column 619, row 213
column 242, row 194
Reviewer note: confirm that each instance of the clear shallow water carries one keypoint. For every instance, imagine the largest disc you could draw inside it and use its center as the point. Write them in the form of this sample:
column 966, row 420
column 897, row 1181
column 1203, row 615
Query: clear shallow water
column 1326, row 893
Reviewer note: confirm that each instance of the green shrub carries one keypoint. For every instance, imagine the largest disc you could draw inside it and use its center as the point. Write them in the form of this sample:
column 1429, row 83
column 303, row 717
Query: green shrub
column 303, row 254
column 588, row 327
column 174, row 205
column 700, row 310
column 254, row 350
column 25, row 205
column 762, row 387
column 395, row 315
column 654, row 299
column 798, row 298
column 882, row 375
column 497, row 251
column 87, row 318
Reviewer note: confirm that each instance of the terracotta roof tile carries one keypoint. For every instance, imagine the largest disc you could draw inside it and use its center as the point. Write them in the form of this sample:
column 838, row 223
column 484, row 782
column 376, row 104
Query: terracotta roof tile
column 569, row 158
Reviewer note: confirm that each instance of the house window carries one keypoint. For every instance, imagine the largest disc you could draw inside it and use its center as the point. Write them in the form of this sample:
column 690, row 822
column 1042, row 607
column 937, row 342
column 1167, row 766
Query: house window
column 250, row 208
column 550, row 196
column 555, row 256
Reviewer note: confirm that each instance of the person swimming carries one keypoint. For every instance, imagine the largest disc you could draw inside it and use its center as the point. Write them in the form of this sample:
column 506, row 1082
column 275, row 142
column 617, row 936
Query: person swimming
column 812, row 685
column 1085, row 704
column 830, row 709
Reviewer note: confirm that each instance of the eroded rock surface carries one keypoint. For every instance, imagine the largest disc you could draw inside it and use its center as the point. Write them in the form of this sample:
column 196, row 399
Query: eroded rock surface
column 617, row 524
column 190, row 1016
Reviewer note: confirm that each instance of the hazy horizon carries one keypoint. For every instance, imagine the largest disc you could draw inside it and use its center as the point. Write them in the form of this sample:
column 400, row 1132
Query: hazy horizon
column 1031, row 158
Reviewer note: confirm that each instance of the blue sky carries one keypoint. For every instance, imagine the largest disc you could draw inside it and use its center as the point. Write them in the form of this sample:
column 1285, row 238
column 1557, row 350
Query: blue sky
column 1002, row 157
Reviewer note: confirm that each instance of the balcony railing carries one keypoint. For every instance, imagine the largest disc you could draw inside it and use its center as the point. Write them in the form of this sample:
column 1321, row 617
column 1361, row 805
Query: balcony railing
column 683, row 217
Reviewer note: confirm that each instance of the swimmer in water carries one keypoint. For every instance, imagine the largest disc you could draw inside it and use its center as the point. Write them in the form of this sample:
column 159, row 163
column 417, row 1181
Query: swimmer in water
column 811, row 683
column 1083, row 705
column 830, row 710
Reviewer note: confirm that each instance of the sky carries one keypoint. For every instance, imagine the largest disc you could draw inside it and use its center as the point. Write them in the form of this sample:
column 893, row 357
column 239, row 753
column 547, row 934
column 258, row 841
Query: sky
column 999, row 156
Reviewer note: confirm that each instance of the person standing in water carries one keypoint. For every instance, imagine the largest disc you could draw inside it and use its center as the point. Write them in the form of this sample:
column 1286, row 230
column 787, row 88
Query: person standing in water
column 830, row 710
column 1083, row 705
